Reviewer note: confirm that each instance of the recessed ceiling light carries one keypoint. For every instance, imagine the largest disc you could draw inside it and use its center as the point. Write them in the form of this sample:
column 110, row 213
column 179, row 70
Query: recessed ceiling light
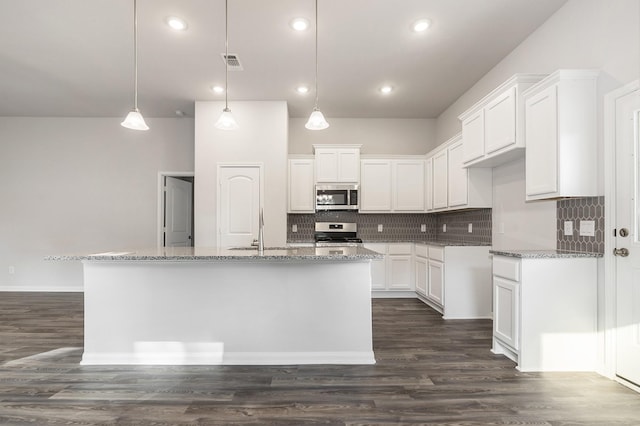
column 386, row 90
column 176, row 23
column 217, row 89
column 299, row 24
column 302, row 89
column 421, row 25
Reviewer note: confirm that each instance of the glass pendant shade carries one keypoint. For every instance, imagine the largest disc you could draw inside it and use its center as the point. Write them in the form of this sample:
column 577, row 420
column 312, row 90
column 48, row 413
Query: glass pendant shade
column 134, row 121
column 226, row 121
column 316, row 121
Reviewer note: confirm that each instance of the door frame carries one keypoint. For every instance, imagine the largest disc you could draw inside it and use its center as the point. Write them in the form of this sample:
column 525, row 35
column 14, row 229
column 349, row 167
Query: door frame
column 161, row 202
column 219, row 167
column 607, row 301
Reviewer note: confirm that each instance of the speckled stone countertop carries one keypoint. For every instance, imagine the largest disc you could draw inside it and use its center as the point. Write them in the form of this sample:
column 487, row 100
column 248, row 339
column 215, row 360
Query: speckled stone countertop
column 232, row 254
column 453, row 243
column 543, row 254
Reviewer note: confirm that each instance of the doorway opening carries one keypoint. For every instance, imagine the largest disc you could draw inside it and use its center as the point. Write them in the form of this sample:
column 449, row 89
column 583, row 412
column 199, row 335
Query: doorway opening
column 175, row 209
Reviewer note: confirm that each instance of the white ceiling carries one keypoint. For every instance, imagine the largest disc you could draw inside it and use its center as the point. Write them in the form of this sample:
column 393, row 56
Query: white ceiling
column 75, row 57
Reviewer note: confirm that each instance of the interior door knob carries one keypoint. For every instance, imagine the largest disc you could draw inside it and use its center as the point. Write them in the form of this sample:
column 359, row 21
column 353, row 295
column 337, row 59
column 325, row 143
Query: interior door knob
column 622, row 252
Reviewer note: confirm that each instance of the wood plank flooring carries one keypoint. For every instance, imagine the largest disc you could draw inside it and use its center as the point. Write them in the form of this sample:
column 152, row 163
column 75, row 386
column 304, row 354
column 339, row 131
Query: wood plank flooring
column 428, row 371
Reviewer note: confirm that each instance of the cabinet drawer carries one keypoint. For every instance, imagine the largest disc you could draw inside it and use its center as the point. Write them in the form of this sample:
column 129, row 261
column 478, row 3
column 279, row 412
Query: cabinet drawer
column 400, row 248
column 506, row 267
column 421, row 250
column 436, row 253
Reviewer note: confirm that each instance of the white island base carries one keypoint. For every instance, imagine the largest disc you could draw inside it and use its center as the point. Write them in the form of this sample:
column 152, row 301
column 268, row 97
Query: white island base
column 247, row 312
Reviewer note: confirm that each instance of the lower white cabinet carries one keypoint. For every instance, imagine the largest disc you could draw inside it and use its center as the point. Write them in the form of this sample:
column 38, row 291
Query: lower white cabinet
column 455, row 280
column 392, row 276
column 545, row 312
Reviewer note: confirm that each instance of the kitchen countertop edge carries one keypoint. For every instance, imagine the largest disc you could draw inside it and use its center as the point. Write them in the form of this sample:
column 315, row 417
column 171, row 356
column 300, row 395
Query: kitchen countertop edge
column 544, row 254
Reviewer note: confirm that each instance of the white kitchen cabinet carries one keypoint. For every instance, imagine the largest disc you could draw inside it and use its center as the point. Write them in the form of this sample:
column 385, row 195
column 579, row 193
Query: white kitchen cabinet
column 458, row 280
column 392, row 185
column 420, row 270
column 428, row 184
column 400, row 266
column 454, row 185
column 493, row 128
column 337, row 163
column 545, row 312
column 301, row 185
column 440, row 180
column 408, row 185
column 392, row 276
column 375, row 186
column 561, row 136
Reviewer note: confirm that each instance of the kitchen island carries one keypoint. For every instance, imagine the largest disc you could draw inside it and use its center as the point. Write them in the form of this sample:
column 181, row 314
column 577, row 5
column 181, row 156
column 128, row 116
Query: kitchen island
column 185, row 306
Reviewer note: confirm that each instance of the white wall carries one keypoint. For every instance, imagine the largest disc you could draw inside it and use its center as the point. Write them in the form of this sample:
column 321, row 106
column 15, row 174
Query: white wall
column 377, row 136
column 80, row 185
column 598, row 34
column 261, row 138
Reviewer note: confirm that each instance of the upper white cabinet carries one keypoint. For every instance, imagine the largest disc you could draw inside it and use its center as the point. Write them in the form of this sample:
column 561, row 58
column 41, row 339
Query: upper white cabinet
column 392, row 185
column 428, row 184
column 301, row 185
column 561, row 135
column 440, row 179
column 375, row 186
column 454, row 185
column 337, row 163
column 493, row 128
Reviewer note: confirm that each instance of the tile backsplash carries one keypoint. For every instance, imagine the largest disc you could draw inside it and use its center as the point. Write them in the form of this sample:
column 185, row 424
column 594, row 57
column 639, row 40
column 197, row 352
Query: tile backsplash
column 400, row 227
column 577, row 210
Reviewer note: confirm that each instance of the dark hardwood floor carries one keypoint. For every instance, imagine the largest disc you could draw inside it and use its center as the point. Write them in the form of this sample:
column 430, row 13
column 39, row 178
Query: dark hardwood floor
column 429, row 371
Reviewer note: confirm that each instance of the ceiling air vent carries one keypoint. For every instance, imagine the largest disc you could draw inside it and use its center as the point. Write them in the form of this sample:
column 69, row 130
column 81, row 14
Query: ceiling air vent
column 234, row 62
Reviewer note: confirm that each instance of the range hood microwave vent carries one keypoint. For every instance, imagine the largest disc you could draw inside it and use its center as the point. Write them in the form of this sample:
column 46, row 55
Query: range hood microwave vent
column 233, row 60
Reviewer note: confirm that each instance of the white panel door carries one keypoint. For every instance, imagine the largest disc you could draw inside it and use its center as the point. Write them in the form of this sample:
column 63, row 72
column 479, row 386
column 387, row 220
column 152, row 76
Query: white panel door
column 428, row 184
column 302, row 197
column 178, row 212
column 375, row 185
column 408, row 191
column 239, row 205
column 399, row 273
column 440, row 180
column 627, row 219
column 435, row 281
column 349, row 165
column 458, row 178
column 378, row 267
column 326, row 165
column 506, row 302
column 541, row 138
column 500, row 122
column 473, row 136
column 421, row 275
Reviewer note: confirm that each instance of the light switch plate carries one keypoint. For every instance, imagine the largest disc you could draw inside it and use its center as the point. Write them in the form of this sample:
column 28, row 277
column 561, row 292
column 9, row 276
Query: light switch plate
column 294, row 228
column 380, row 228
column 568, row 227
column 444, row 227
column 423, row 228
column 588, row 228
column 470, row 228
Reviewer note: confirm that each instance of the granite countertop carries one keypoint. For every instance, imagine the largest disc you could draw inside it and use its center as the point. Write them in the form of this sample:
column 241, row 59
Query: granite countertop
column 453, row 243
column 229, row 254
column 543, row 254
column 430, row 242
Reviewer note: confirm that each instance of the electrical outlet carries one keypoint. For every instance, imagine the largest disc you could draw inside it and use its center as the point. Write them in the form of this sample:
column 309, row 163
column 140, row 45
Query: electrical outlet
column 423, row 228
column 380, row 227
column 588, row 228
column 444, row 227
column 12, row 270
column 294, row 228
column 470, row 228
column 568, row 227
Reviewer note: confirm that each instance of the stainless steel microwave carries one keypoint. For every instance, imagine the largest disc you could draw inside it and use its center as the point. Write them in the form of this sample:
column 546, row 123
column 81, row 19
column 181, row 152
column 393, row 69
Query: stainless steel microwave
column 337, row 197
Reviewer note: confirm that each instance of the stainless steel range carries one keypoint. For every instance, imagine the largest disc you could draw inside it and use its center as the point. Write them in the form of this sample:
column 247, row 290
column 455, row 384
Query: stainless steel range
column 331, row 234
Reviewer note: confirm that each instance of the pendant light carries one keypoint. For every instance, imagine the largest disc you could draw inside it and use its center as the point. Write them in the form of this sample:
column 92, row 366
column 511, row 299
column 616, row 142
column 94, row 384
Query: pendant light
column 134, row 119
column 226, row 120
column 316, row 119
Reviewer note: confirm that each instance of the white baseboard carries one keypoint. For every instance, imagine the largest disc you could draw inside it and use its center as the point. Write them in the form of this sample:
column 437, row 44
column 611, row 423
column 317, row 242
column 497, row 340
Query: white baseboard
column 229, row 358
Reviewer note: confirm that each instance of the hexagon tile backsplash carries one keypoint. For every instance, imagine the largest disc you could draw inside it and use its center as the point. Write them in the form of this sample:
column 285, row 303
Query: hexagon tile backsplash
column 577, row 210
